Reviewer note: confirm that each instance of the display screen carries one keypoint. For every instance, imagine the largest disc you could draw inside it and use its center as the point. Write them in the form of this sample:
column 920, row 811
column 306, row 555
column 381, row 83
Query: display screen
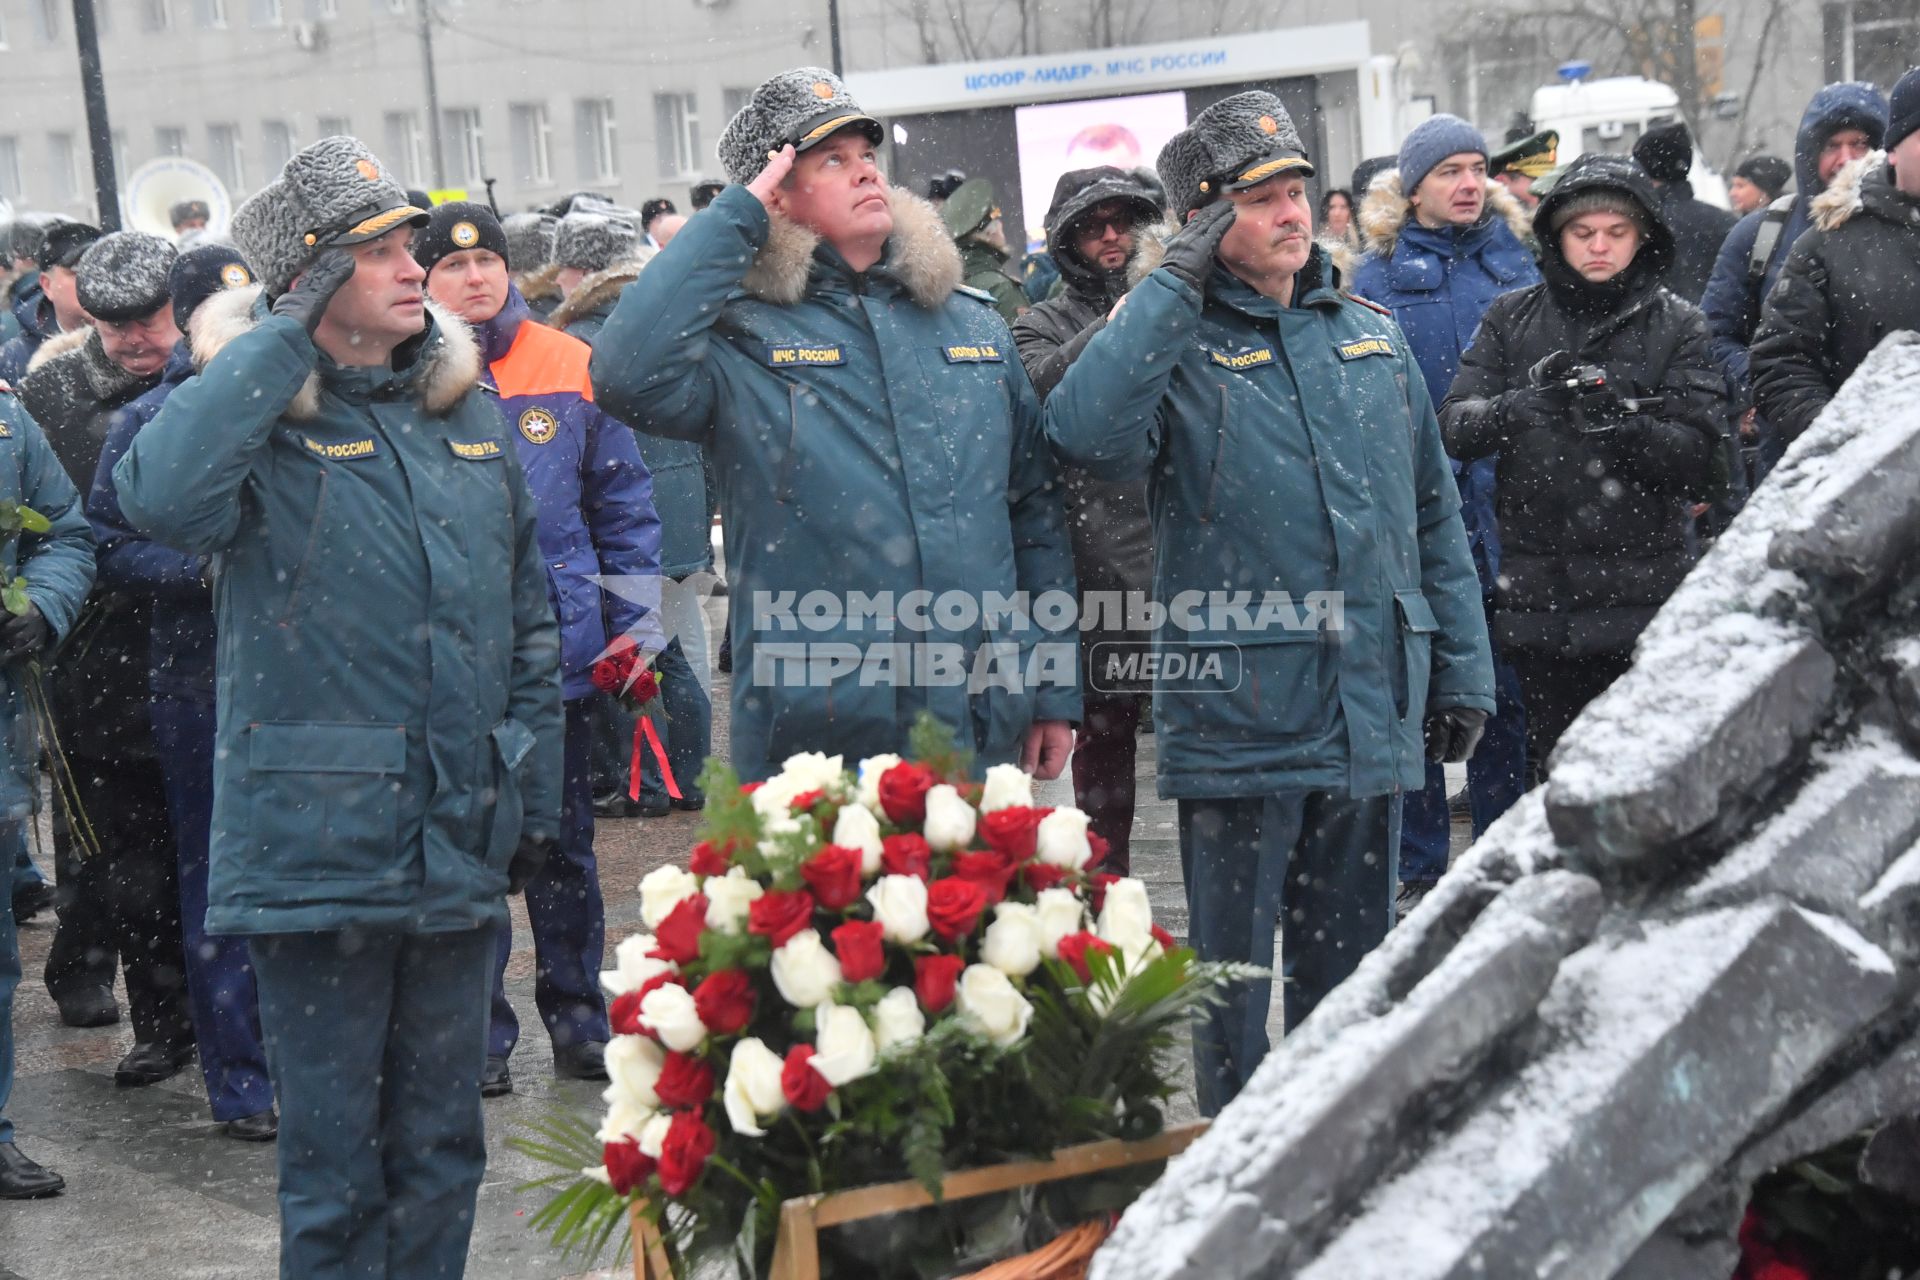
column 1062, row 136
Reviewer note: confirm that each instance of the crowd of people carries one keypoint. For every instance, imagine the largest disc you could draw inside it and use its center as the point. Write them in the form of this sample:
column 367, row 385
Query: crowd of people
column 341, row 512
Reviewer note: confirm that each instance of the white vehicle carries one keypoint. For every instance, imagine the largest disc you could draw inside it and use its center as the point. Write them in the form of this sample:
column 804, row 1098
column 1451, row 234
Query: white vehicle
column 1610, row 115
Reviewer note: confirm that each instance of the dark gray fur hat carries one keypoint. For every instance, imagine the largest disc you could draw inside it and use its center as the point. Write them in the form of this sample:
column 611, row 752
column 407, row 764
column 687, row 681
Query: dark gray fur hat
column 333, row 193
column 123, row 276
column 1236, row 143
column 530, row 238
column 593, row 242
column 805, row 107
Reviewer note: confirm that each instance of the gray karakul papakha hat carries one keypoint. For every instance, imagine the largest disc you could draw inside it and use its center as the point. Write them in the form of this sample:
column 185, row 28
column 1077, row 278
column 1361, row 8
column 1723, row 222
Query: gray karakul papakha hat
column 332, row 194
column 1236, row 143
column 805, row 107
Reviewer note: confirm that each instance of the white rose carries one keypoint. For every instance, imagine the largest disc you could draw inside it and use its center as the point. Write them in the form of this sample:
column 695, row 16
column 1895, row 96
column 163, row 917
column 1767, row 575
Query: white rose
column 632, row 966
column 753, row 1089
column 988, row 1004
column 868, row 792
column 662, row 890
column 843, row 1045
column 624, row 1120
column 654, row 1136
column 950, row 819
column 897, row 1019
column 805, row 971
column 900, row 905
column 772, row 828
column 812, row 771
column 669, row 1010
column 1126, row 918
column 1061, row 913
column 1008, row 786
column 1062, row 839
column 1012, row 944
column 729, row 898
column 857, row 828
column 633, row 1065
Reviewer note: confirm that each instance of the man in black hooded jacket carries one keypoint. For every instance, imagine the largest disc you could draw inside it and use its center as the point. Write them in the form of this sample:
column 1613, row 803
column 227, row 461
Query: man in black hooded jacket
column 1092, row 227
column 1595, row 482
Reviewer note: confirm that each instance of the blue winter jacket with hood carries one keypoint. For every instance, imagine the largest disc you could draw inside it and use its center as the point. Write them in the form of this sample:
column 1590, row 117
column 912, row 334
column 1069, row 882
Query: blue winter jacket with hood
column 34, row 314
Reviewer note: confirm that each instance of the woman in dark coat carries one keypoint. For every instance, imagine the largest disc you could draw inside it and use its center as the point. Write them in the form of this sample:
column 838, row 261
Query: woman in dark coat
column 1594, row 485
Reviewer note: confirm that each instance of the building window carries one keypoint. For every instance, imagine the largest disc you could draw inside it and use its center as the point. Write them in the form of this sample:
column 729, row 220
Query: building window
column 169, row 141
column 103, row 17
column 265, row 13
column 213, row 13
column 404, row 146
column 3, row 31
column 595, row 139
column 10, row 188
column 334, row 127
column 465, row 146
column 677, row 133
column 733, row 101
column 276, row 145
column 323, row 10
column 1874, row 40
column 157, row 15
column 532, row 139
column 46, row 20
column 63, row 165
column 120, row 165
column 224, row 154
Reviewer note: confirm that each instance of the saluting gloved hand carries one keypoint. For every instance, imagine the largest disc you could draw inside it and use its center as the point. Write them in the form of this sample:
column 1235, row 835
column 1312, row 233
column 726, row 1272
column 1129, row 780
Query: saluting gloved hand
column 314, row 288
column 527, row 861
column 1453, row 732
column 25, row 634
column 1190, row 252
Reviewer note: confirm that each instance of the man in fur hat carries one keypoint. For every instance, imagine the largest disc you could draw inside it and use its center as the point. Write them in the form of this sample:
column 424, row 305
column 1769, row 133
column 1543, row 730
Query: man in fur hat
column 877, row 445
column 390, row 728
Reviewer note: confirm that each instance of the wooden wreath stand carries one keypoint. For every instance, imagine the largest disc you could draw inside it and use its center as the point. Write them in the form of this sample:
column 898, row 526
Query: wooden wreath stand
column 796, row 1254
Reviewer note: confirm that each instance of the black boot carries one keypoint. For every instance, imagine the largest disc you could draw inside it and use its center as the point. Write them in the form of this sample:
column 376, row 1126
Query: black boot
column 495, row 1079
column 151, row 1063
column 89, row 1005
column 586, row 1060
column 262, row 1126
column 22, row 1179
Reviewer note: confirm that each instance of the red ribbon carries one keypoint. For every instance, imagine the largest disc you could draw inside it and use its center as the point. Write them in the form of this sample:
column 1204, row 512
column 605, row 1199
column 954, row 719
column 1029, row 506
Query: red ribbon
column 643, row 728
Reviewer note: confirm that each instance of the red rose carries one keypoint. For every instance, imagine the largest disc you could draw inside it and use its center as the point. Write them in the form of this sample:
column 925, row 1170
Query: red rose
column 657, row 980
column 907, row 855
column 1162, row 937
column 1098, row 882
column 1041, row 876
column 777, row 916
column 627, row 1165
column 857, row 943
column 709, row 861
column 644, row 688
column 623, row 1015
column 806, row 800
column 684, row 1152
column 954, row 906
column 607, row 679
column 805, row 1088
column 725, row 1001
column 1076, row 947
column 685, row 1081
column 1097, row 843
column 678, row 938
column 1012, row 831
column 934, row 978
column 834, row 876
column 987, row 868
column 903, row 793
column 748, row 788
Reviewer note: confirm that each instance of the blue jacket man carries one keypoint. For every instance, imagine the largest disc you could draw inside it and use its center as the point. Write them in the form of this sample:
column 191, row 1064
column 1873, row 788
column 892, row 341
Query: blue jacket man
column 596, row 518
column 58, row 567
column 1842, row 123
column 180, row 679
column 874, row 438
column 1294, row 468
column 1443, row 241
column 390, row 728
column 52, row 307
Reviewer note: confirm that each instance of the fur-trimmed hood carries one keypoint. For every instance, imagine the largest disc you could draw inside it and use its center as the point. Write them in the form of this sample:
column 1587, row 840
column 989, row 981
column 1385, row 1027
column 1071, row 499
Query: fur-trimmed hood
column 1384, row 212
column 1846, row 195
column 443, row 373
column 598, row 289
column 540, row 284
column 921, row 255
column 81, row 356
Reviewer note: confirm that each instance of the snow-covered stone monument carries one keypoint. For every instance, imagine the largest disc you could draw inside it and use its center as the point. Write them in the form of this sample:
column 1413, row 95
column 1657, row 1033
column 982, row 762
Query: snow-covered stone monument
column 1688, row 959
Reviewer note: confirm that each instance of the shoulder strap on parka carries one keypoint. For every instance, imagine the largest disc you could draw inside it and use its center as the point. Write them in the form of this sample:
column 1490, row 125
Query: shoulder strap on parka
column 1767, row 238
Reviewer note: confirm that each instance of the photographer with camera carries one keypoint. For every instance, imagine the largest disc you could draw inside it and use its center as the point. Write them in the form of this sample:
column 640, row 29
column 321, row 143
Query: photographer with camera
column 1600, row 396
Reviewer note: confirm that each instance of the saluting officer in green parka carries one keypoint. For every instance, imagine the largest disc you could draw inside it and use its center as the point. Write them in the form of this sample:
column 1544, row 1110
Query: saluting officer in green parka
column 1291, row 456
column 389, row 700
column 973, row 216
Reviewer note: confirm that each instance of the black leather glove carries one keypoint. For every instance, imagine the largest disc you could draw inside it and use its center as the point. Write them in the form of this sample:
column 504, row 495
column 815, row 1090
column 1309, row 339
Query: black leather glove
column 1190, row 252
column 24, row 634
column 1557, row 367
column 1453, row 732
column 307, row 300
column 1536, row 409
column 527, row 861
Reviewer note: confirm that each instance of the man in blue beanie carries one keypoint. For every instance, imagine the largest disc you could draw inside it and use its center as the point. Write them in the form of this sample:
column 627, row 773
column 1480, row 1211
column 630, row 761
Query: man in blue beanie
column 1442, row 241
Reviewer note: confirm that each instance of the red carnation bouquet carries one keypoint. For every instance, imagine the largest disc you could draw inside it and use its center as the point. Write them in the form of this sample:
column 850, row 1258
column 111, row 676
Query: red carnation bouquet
column 865, row 975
